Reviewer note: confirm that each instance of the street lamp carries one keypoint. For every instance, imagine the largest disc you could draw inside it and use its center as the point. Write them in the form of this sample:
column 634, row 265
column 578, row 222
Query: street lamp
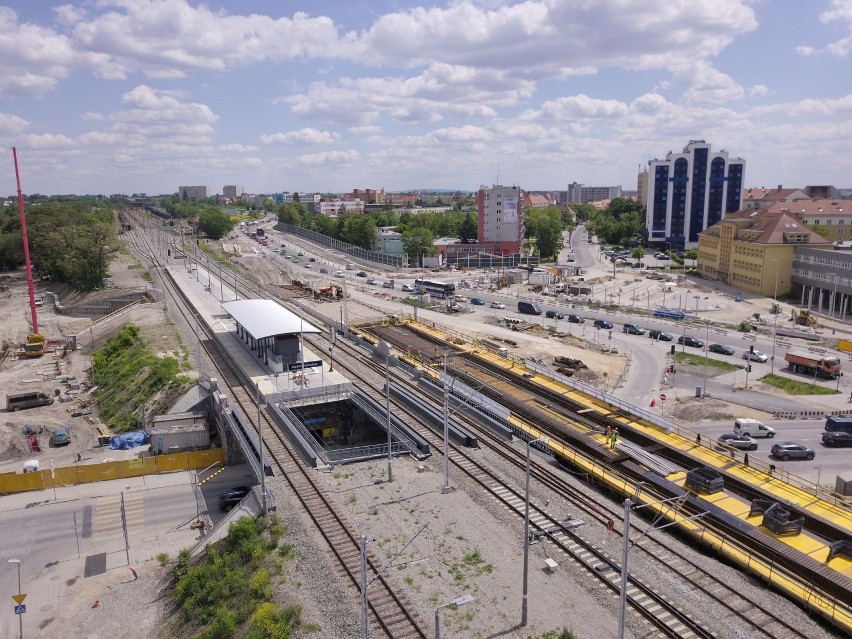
column 775, row 310
column 524, row 602
column 459, row 601
column 20, row 616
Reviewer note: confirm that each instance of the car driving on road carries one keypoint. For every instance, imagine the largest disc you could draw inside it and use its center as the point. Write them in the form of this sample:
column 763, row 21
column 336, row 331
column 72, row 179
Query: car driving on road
column 721, row 349
column 599, row 323
column 756, row 356
column 736, row 440
column 792, row 450
column 498, row 305
column 576, row 319
column 660, row 335
column 633, row 329
column 688, row 340
column 477, row 301
column 554, row 315
column 230, row 497
column 408, row 288
column 837, row 438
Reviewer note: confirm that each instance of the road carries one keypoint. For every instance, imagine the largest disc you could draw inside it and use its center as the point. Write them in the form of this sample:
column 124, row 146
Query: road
column 80, row 534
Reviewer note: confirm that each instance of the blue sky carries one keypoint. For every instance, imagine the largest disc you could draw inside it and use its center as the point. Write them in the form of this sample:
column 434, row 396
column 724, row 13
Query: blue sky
column 131, row 96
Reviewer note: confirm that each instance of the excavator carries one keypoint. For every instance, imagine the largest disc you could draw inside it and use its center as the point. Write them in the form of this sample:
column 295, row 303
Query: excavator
column 804, row 318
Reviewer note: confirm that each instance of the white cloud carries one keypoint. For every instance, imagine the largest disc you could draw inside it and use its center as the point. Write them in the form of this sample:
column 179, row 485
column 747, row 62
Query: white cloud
column 463, row 134
column 330, row 158
column 759, row 91
column 237, row 148
column 302, row 136
column 11, row 124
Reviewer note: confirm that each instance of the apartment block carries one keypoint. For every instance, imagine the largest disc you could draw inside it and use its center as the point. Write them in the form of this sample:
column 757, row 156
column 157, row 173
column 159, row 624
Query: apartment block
column 197, row 192
column 232, row 190
column 501, row 217
column 691, row 191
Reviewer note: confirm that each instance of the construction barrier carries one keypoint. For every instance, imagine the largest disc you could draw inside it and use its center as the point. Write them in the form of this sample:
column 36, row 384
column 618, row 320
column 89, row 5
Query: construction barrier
column 810, row 414
column 86, row 473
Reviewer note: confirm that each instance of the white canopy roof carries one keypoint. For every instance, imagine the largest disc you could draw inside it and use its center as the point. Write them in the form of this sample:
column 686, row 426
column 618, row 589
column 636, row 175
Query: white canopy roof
column 265, row 318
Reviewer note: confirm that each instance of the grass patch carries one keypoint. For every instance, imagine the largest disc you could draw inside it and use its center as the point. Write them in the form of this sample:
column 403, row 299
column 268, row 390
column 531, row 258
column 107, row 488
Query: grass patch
column 795, row 387
column 699, row 360
column 128, row 376
column 228, row 591
column 163, row 558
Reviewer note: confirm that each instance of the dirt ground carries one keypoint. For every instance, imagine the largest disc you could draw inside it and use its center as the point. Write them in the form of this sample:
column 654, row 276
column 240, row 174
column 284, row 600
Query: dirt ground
column 61, row 373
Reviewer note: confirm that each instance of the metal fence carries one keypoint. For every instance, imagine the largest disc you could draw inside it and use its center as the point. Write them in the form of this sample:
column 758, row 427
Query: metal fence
column 396, row 261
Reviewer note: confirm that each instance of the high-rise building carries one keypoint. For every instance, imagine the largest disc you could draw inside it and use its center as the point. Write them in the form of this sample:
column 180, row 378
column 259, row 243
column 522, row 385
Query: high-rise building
column 501, row 218
column 197, row 192
column 580, row 194
column 691, row 191
column 232, row 190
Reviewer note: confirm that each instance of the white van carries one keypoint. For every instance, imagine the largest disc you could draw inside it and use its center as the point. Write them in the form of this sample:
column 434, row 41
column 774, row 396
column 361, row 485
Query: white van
column 753, row 428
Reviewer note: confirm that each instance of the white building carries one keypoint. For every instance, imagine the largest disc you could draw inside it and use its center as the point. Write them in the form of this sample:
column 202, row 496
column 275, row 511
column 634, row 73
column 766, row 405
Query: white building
column 501, row 218
column 689, row 192
column 197, row 192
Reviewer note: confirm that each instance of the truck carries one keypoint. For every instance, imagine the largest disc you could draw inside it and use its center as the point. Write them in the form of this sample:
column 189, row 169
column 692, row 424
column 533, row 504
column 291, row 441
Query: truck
column 261, row 231
column 810, row 363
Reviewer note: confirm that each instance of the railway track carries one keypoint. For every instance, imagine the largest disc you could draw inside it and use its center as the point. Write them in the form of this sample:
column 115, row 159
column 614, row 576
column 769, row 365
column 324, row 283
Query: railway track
column 763, row 622
column 670, row 621
column 390, row 611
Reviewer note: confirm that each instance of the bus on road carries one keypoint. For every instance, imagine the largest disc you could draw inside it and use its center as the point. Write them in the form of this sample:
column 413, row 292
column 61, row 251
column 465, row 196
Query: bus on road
column 436, row 288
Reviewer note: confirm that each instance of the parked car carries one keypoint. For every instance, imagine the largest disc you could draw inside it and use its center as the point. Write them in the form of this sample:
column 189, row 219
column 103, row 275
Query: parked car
column 308, row 265
column 688, row 340
column 408, row 288
column 231, row 497
column 599, row 323
column 361, row 274
column 313, row 259
column 62, row 436
column 372, row 280
column 837, row 438
column 554, row 315
column 477, row 301
column 576, row 319
column 721, row 349
column 756, row 356
column 301, row 253
column 339, row 274
column 323, row 270
column 660, row 335
column 633, row 329
column 462, row 299
column 736, row 440
column 792, row 450
column 498, row 305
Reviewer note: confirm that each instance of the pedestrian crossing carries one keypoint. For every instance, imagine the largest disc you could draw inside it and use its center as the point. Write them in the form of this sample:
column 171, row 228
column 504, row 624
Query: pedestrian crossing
column 106, row 519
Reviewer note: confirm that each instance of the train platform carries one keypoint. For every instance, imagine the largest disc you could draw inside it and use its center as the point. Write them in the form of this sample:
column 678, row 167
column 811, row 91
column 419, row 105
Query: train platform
column 206, row 293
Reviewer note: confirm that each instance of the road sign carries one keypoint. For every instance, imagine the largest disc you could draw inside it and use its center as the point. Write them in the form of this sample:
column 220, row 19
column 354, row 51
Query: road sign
column 19, row 610
column 662, row 397
column 19, row 599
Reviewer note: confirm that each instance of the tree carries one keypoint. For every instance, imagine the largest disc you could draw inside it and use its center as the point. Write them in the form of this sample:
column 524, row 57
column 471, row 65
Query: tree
column 638, row 253
column 215, row 223
column 418, row 242
column 360, row 230
column 545, row 225
column 692, row 254
column 469, row 229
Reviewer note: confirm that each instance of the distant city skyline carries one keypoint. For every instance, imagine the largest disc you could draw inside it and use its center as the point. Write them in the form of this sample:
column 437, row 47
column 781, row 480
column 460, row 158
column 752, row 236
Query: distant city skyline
column 122, row 97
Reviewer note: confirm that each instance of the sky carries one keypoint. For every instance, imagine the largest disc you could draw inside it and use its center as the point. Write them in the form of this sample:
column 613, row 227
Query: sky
column 143, row 96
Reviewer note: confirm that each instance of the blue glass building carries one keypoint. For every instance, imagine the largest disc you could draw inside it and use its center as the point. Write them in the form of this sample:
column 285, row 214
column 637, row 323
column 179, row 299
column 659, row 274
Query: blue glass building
column 689, row 191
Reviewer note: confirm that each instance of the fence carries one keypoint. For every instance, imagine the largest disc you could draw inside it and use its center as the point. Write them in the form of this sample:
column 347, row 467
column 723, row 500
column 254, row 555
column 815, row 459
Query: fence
column 397, row 261
column 86, row 473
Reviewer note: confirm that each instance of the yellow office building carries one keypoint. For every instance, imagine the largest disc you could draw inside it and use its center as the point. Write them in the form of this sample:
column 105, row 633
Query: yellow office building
column 753, row 250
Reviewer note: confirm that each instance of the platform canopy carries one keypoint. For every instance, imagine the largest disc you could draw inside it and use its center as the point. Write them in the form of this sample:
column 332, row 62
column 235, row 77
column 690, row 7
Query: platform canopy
column 265, row 318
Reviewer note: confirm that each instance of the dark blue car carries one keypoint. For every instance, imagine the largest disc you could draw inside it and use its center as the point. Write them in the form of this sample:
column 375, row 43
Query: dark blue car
column 477, row 301
column 603, row 324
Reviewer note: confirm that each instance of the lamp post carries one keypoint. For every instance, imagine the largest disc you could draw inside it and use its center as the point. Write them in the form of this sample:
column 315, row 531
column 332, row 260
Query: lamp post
column 459, row 601
column 775, row 310
column 17, row 562
column 524, row 602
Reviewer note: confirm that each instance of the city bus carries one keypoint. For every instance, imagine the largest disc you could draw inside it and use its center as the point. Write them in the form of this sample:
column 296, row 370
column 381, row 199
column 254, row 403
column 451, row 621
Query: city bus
column 677, row 315
column 435, row 288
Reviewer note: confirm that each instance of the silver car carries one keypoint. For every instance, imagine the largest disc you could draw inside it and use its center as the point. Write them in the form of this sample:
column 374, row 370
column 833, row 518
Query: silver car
column 792, row 450
column 735, row 440
column 756, row 356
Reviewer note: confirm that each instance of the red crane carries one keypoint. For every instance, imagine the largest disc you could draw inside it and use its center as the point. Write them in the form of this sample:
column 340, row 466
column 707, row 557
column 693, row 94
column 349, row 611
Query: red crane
column 35, row 341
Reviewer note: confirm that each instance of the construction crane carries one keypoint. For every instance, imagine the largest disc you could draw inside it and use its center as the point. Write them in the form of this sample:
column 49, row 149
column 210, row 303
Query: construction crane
column 35, row 340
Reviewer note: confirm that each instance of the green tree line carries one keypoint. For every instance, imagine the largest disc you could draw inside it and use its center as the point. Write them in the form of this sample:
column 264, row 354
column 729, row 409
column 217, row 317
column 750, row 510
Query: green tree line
column 71, row 240
column 622, row 222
